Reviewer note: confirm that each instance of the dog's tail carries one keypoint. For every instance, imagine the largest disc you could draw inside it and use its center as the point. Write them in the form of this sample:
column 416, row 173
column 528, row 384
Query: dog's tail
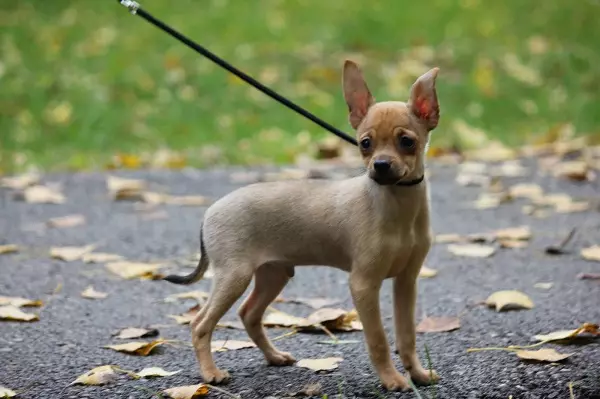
column 197, row 274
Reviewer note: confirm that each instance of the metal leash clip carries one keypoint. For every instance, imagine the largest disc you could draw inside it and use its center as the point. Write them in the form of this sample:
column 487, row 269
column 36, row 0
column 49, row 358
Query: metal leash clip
column 131, row 5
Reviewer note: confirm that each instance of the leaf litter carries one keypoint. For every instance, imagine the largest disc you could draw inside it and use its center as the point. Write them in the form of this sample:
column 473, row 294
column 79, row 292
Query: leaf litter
column 137, row 348
column 130, row 270
column 19, row 301
column 591, row 253
column 187, row 391
column 324, row 364
column 509, row 299
column 155, row 372
column 39, row 194
column 70, row 254
column 66, row 221
column 472, row 250
column 227, row 345
column 91, row 293
column 136, row 332
column 6, row 392
column 13, row 313
column 97, row 376
column 438, row 324
column 8, row 249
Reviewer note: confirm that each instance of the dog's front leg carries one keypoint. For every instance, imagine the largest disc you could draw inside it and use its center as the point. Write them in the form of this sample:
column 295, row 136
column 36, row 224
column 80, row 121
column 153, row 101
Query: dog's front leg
column 405, row 295
column 365, row 294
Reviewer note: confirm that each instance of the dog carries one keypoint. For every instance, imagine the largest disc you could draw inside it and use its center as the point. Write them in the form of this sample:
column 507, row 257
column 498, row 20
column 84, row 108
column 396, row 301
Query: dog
column 374, row 226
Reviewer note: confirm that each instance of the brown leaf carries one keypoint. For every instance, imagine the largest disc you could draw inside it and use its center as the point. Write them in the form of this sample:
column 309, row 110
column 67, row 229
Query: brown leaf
column 135, row 332
column 70, row 254
column 66, row 221
column 40, row 195
column 281, row 319
column 509, row 299
column 333, row 319
column 97, row 376
column 13, row 313
column 137, row 348
column 187, row 391
column 100, row 257
column 230, row 345
column 325, row 364
column 19, row 302
column 7, row 393
column 20, row 182
column 542, row 355
column 8, row 249
column 426, row 272
column 438, row 324
column 574, row 170
column 130, row 270
column 472, row 250
column 91, row 293
column 592, row 253
column 187, row 317
column 155, row 372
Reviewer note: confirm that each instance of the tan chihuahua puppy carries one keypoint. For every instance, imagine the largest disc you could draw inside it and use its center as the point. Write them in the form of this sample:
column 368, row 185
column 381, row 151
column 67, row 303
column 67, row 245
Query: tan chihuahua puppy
column 374, row 226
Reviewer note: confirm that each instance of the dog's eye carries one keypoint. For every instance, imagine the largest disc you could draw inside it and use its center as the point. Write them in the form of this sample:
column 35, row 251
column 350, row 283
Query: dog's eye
column 365, row 143
column 407, row 143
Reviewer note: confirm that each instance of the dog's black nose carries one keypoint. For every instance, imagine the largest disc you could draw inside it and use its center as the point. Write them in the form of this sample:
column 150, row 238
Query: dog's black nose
column 381, row 166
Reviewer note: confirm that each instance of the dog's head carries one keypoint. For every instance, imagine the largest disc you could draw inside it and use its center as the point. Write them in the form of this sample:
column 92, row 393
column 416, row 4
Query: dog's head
column 392, row 136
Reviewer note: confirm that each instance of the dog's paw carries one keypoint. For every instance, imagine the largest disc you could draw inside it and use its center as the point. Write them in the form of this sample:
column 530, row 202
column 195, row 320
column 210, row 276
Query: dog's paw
column 280, row 359
column 424, row 377
column 395, row 382
column 216, row 376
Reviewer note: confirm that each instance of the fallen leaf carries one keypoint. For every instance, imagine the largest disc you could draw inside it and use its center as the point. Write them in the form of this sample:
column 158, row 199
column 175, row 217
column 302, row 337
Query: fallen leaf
column 591, row 253
column 588, row 276
column 8, row 249
column 100, row 257
column 40, row 195
column 198, row 296
column 125, row 189
column 438, row 324
column 97, row 376
column 426, row 272
column 315, row 303
column 472, row 250
column 543, row 286
column 222, row 346
column 66, row 221
column 514, row 233
column 325, row 364
column 573, row 170
column 234, row 324
column 91, row 293
column 561, row 335
column 70, row 254
column 20, row 182
column 18, row 301
column 13, row 313
column 7, row 393
column 187, row 317
column 137, row 348
column 572, row 206
column 447, row 238
column 135, row 332
column 155, row 372
column 509, row 299
column 281, row 319
column 542, row 355
column 526, row 190
column 512, row 244
column 490, row 200
column 511, row 168
column 187, row 391
column 130, row 270
column 333, row 319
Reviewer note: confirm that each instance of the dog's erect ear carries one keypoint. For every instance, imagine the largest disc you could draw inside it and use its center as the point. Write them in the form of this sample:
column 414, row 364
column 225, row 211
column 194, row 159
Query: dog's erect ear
column 423, row 100
column 356, row 93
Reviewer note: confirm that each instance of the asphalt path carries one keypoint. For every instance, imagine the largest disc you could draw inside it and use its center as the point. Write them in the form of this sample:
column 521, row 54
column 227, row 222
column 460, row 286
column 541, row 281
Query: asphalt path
column 41, row 358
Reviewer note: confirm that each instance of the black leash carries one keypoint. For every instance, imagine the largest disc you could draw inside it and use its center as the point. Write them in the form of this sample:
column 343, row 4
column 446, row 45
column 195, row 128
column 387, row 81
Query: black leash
column 135, row 9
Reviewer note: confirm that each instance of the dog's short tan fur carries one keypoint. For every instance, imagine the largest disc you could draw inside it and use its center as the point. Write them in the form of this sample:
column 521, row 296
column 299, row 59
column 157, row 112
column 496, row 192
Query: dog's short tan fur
column 368, row 226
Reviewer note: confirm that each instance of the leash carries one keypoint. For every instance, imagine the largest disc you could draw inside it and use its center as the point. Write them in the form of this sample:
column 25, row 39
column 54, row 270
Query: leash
column 135, row 9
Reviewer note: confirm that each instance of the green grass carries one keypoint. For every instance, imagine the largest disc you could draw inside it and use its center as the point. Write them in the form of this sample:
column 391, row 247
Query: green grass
column 83, row 80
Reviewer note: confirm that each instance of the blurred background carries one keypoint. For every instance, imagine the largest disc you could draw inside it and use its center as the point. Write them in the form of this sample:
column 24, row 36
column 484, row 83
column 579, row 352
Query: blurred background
column 83, row 84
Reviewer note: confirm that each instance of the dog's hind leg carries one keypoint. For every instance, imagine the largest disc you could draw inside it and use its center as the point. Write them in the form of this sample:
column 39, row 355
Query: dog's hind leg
column 270, row 279
column 229, row 283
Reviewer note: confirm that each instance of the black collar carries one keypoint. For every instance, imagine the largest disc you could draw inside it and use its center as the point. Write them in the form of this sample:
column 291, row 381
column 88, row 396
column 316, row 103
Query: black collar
column 413, row 182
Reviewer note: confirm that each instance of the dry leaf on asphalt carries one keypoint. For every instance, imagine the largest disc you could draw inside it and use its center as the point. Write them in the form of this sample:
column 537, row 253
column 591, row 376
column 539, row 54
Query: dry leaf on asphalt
column 542, row 355
column 560, row 335
column 231, row 345
column 100, row 257
column 135, row 332
column 19, row 302
column 187, row 391
column 187, row 317
column 40, row 195
column 438, row 324
column 130, row 270
column 124, row 189
column 426, row 272
column 513, row 233
column 325, row 364
column 97, row 376
column 199, row 296
column 66, row 221
column 509, row 299
column 526, row 190
column 574, row 170
column 543, row 286
column 472, row 250
column 20, row 182
column 155, row 372
column 13, row 313
column 512, row 244
column 282, row 319
column 70, row 254
column 91, row 293
column 333, row 319
column 137, row 348
column 591, row 253
column 8, row 249
column 7, row 393
column 490, row 200
column 447, row 238
column 315, row 303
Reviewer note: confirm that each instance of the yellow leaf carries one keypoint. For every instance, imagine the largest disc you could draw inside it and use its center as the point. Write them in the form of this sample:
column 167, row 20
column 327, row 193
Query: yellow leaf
column 100, row 257
column 59, row 114
column 426, row 272
column 8, row 249
column 187, row 392
column 70, row 254
column 130, row 270
column 281, row 319
column 120, row 188
column 509, row 299
column 567, row 334
column 325, row 364
column 7, row 393
column 137, row 348
column 438, row 324
column 13, row 313
column 514, row 233
column 97, row 376
column 134, row 332
column 472, row 250
column 592, row 253
column 543, row 355
column 18, row 301
column 41, row 195
column 128, row 161
column 20, row 182
column 155, row 372
column 222, row 346
column 91, row 293
column 66, row 221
